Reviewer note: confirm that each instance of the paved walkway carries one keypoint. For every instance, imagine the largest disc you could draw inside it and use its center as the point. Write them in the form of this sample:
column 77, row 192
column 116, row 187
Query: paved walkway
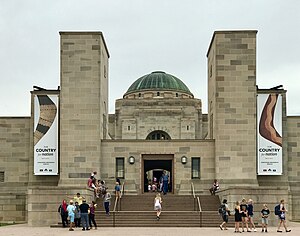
column 24, row 230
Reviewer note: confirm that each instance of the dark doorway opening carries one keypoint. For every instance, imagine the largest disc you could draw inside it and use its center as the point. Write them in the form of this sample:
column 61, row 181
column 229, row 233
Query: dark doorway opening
column 153, row 170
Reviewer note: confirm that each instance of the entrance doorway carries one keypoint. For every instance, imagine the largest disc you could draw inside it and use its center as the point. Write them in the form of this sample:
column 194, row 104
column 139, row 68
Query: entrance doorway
column 153, row 168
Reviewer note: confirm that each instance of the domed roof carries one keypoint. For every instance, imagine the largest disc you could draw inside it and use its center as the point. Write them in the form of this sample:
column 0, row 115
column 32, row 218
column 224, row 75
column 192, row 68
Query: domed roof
column 158, row 80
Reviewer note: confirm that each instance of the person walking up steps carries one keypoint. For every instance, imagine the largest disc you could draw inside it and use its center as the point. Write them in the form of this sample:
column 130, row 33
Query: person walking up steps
column 84, row 212
column 157, row 205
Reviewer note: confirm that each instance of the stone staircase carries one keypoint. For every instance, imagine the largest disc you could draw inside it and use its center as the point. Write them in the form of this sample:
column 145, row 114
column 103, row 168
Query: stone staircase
column 177, row 211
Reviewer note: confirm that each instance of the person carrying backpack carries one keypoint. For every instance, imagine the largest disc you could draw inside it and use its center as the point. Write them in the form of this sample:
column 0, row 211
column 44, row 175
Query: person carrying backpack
column 281, row 216
column 224, row 211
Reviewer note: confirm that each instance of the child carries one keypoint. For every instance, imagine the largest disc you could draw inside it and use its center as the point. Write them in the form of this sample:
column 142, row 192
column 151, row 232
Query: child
column 149, row 187
column 264, row 218
column 71, row 214
column 157, row 205
column 154, row 187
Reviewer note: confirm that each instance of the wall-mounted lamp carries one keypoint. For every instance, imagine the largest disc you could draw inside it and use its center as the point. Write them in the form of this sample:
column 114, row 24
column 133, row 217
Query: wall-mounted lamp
column 131, row 160
column 183, row 159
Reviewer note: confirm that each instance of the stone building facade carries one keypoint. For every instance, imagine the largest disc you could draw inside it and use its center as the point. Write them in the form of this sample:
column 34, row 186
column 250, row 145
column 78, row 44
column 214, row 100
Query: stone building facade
column 157, row 125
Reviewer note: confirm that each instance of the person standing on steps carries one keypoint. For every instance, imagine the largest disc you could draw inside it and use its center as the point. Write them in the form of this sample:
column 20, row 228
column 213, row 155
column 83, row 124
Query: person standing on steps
column 84, row 212
column 93, row 206
column 62, row 209
column 77, row 215
column 106, row 199
column 71, row 214
column 157, row 205
column 165, row 182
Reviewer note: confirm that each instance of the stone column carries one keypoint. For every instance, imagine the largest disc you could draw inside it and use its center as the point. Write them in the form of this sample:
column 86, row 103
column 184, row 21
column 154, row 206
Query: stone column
column 232, row 105
column 83, row 104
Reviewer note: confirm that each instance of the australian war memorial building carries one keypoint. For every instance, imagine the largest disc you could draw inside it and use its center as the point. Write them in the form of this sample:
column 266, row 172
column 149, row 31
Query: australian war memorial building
column 245, row 140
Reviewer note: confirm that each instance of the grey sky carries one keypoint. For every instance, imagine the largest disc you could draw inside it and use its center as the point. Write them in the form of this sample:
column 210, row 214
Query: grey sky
column 144, row 36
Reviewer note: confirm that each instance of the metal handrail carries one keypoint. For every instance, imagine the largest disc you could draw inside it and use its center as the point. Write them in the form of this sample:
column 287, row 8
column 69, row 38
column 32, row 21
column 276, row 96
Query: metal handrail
column 116, row 202
column 122, row 190
column 199, row 205
column 194, row 195
column 193, row 190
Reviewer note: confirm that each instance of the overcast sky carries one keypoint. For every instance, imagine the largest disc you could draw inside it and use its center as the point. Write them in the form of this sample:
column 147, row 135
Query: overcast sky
column 144, row 36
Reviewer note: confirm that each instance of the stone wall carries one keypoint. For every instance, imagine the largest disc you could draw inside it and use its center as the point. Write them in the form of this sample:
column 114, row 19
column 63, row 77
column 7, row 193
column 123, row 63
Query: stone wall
column 111, row 149
column 14, row 159
column 171, row 115
column 293, row 146
column 43, row 203
column 232, row 104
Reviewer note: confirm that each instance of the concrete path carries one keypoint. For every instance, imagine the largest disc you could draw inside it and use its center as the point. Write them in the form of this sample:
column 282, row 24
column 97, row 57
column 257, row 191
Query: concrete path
column 24, row 230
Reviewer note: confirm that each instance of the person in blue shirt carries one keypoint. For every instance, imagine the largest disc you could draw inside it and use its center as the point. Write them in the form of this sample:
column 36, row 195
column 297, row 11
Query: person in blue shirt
column 165, row 182
column 71, row 214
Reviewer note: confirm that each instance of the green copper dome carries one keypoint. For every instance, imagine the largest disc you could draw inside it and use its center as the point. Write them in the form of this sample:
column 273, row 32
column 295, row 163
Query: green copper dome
column 158, row 80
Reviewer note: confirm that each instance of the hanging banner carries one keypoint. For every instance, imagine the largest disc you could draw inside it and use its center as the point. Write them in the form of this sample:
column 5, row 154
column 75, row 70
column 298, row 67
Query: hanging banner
column 269, row 134
column 45, row 135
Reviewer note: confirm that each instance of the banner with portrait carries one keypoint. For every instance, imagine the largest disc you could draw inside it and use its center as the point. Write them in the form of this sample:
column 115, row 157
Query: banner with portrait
column 269, row 134
column 45, row 134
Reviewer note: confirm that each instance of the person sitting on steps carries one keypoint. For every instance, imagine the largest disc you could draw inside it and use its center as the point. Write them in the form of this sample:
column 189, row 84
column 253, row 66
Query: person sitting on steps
column 215, row 187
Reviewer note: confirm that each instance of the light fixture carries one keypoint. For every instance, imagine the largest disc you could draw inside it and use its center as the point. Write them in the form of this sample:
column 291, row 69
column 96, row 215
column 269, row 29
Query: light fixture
column 131, row 160
column 183, row 159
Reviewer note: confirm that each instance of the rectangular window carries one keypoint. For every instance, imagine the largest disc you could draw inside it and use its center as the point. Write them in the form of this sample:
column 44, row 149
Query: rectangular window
column 1, row 176
column 195, row 167
column 128, row 127
column 120, row 167
column 187, row 127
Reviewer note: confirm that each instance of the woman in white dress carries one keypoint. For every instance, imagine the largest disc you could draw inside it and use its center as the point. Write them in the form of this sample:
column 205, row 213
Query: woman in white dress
column 157, row 205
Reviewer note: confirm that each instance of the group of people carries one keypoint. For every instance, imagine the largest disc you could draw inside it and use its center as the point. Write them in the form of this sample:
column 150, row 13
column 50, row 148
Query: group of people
column 78, row 212
column 244, row 212
column 161, row 186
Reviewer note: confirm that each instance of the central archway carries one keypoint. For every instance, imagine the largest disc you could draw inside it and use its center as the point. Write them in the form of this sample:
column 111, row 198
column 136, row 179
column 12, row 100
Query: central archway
column 158, row 135
column 153, row 167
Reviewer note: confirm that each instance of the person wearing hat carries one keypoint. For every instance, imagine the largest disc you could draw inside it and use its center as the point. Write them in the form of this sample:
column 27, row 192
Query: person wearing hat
column 71, row 214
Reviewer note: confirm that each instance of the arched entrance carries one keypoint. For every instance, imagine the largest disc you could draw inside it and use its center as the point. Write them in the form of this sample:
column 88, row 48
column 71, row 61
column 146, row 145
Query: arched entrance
column 153, row 166
column 158, row 135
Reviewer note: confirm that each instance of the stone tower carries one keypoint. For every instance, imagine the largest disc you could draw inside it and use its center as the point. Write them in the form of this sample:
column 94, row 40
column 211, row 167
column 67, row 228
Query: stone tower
column 83, row 104
column 232, row 105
